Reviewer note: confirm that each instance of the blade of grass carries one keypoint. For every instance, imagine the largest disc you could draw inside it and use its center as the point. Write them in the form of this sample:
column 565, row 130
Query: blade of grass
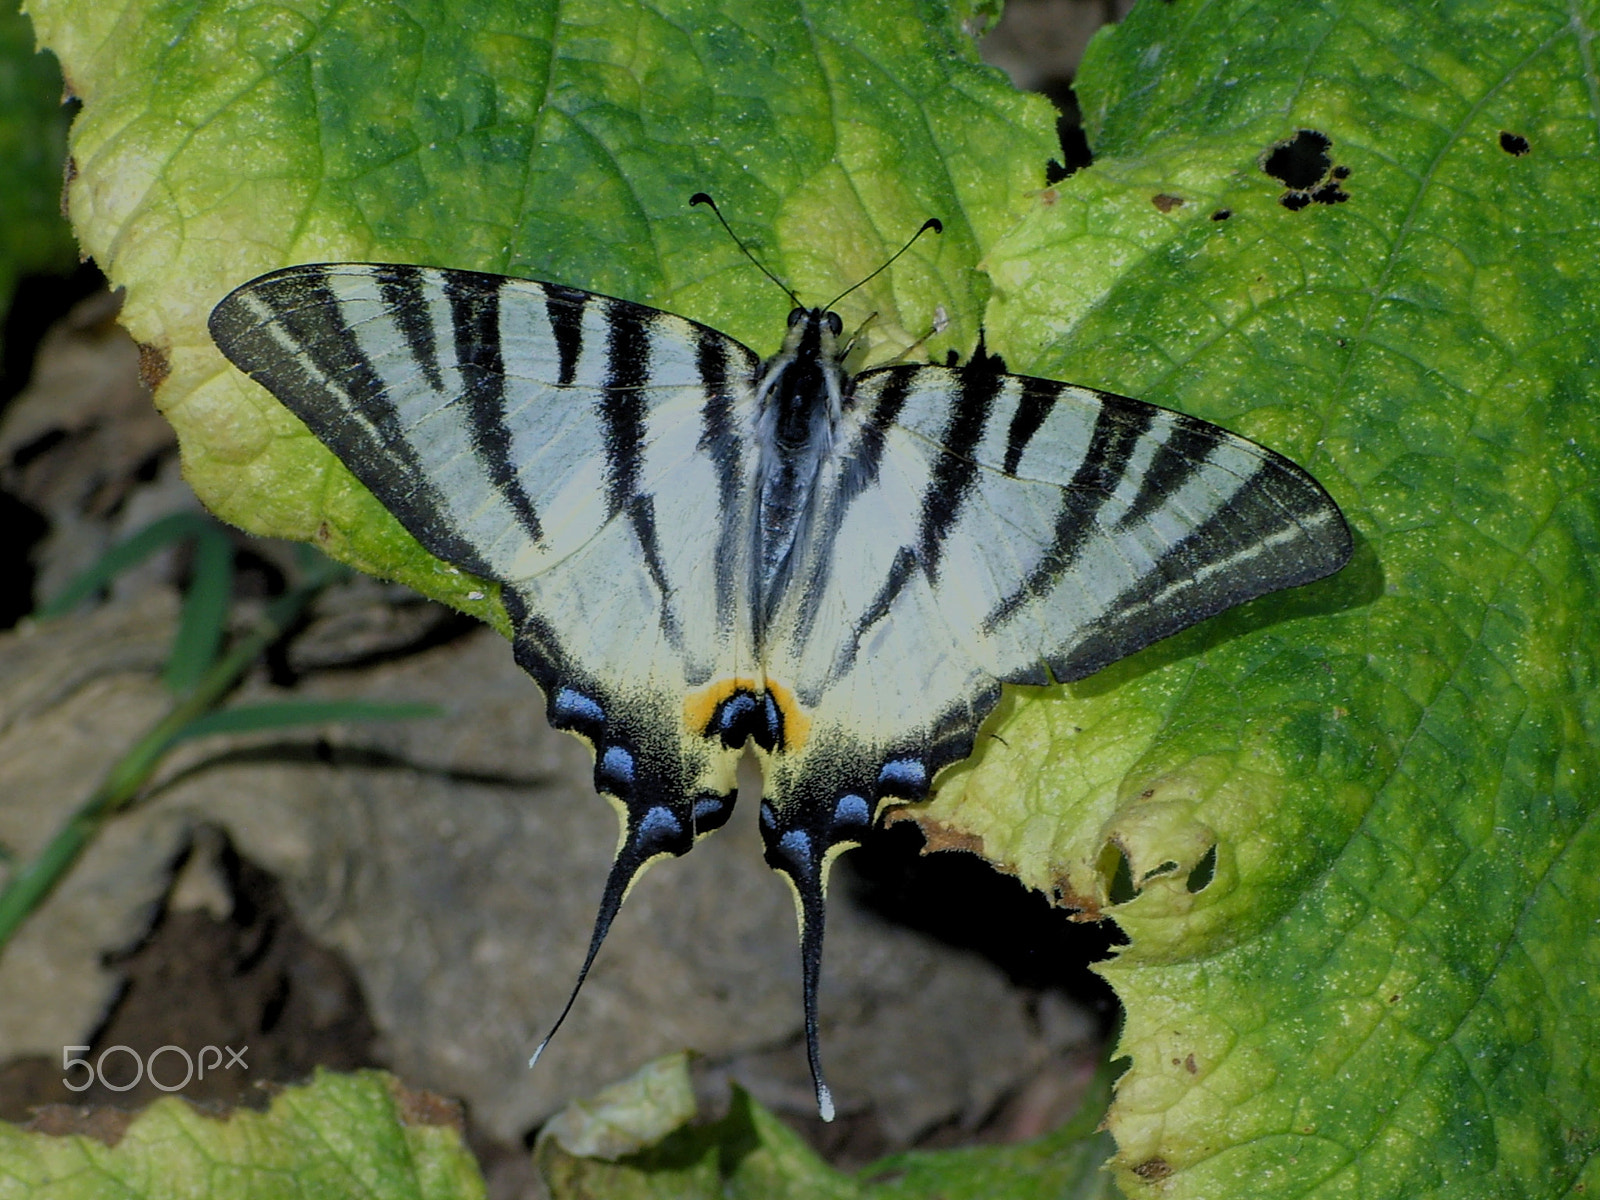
column 247, row 718
column 33, row 881
column 205, row 610
column 119, row 558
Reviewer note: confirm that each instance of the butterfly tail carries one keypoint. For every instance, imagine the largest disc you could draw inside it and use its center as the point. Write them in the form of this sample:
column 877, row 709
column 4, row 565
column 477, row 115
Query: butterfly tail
column 651, row 834
column 801, row 857
column 811, row 925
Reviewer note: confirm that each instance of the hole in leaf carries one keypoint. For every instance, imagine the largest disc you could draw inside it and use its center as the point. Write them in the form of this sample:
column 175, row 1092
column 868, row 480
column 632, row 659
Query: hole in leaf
column 1166, row 868
column 1513, row 143
column 1115, row 863
column 1304, row 166
column 963, row 901
column 1222, row 214
column 1203, row 872
column 1075, row 152
column 1301, row 162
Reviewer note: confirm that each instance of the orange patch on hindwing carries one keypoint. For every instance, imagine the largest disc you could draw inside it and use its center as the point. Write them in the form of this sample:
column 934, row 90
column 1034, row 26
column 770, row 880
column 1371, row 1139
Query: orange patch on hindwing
column 700, row 706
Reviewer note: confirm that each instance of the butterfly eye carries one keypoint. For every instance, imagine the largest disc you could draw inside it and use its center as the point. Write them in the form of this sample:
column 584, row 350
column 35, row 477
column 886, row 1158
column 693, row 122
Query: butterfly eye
column 835, row 325
column 796, row 315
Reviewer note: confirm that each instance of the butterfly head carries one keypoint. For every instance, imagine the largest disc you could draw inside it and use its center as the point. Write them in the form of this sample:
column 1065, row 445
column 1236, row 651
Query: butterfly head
column 813, row 333
column 800, row 390
column 827, row 320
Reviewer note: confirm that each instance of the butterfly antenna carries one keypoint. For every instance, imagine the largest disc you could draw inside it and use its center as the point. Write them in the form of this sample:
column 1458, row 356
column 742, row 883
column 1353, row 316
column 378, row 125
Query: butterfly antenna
column 932, row 223
column 703, row 198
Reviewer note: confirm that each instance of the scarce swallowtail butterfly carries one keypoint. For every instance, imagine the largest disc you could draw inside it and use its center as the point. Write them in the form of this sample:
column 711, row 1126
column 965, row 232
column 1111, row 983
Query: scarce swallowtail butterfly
column 702, row 550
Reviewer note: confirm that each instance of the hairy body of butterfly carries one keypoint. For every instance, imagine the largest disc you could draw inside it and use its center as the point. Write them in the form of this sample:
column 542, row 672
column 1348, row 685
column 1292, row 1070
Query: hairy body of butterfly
column 700, row 550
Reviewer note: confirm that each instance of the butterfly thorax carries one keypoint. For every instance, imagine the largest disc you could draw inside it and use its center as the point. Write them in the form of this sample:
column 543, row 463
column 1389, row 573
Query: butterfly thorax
column 799, row 399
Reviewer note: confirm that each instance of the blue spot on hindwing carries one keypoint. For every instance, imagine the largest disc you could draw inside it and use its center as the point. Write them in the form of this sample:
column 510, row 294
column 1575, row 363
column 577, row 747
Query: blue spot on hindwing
column 711, row 812
column 659, row 824
column 575, row 711
column 904, row 775
column 616, row 766
column 771, row 737
column 796, row 847
column 851, row 813
column 743, row 716
column 731, row 717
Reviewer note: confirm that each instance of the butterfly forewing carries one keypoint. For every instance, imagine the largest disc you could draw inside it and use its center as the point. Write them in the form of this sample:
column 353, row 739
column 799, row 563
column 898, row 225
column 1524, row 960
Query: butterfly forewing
column 586, row 453
column 979, row 527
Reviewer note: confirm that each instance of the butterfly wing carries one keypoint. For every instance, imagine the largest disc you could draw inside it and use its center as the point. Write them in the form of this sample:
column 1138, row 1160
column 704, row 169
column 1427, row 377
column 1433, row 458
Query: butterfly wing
column 977, row 528
column 589, row 454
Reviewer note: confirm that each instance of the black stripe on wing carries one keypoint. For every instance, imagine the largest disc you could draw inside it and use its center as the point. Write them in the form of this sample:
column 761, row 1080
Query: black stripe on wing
column 1279, row 530
column 1033, row 406
column 288, row 332
column 1181, row 455
column 564, row 307
column 858, row 474
column 624, row 414
column 956, row 471
column 475, row 320
column 1118, row 429
column 622, row 406
column 404, row 292
column 720, row 441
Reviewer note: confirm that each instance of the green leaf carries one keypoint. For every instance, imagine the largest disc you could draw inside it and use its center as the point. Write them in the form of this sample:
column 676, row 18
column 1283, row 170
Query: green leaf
column 629, row 1116
column 338, row 1136
column 554, row 140
column 1387, row 987
column 33, row 148
column 1359, row 819
column 634, row 1140
column 248, row 718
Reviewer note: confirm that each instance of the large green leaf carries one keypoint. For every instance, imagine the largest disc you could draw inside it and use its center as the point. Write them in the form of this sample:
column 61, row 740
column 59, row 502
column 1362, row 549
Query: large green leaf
column 1358, row 818
column 553, row 140
column 33, row 149
column 338, row 1136
column 1386, row 783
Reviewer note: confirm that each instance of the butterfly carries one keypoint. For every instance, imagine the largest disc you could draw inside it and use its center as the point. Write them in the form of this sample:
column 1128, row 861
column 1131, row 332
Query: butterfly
column 702, row 550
